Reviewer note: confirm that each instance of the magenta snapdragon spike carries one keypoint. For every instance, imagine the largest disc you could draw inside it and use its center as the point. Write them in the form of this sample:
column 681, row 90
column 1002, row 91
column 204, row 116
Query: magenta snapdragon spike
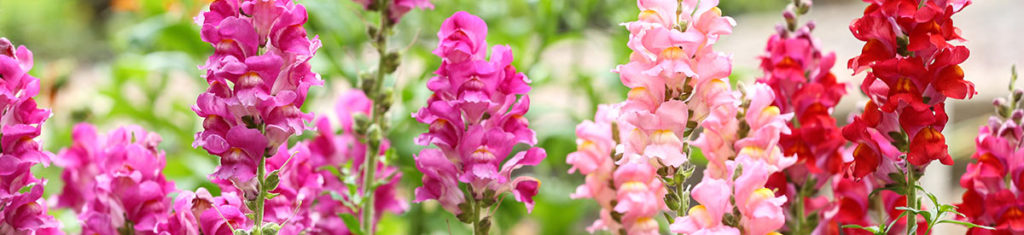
column 995, row 182
column 259, row 75
column 397, row 8
column 200, row 213
column 115, row 182
column 22, row 208
column 476, row 116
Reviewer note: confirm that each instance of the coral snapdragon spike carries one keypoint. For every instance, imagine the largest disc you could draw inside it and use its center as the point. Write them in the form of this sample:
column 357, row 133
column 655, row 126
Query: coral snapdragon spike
column 397, row 8
column 996, row 180
column 22, row 208
column 912, row 63
column 115, row 182
column 476, row 116
column 259, row 75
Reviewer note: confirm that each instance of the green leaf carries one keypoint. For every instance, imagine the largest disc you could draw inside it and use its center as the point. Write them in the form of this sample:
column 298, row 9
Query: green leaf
column 273, row 180
column 351, row 223
column 966, row 224
column 872, row 229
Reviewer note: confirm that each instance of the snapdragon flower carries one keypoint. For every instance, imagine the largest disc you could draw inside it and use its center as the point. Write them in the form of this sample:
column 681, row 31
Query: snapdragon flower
column 115, row 181
column 22, row 208
column 258, row 75
column 476, row 116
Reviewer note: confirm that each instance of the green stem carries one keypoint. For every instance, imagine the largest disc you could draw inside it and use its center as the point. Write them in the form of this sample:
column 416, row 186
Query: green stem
column 377, row 115
column 911, row 199
column 260, row 173
column 801, row 219
column 476, row 215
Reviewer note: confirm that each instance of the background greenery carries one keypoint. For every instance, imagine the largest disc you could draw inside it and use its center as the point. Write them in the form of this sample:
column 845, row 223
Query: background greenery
column 116, row 62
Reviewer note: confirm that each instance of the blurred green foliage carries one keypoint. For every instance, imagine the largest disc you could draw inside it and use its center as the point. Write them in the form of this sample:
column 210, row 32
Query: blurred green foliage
column 116, row 62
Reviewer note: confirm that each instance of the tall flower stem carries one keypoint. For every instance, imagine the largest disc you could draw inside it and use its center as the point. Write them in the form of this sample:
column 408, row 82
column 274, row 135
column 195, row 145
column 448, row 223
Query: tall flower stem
column 377, row 117
column 911, row 199
column 476, row 216
column 260, row 174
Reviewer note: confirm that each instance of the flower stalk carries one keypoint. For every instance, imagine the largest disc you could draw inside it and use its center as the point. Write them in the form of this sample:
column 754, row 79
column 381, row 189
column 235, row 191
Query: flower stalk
column 377, row 114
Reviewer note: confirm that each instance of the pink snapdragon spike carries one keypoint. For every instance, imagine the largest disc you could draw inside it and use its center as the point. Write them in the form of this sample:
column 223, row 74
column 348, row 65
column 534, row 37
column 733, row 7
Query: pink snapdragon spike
column 22, row 208
column 397, row 8
column 671, row 63
column 677, row 81
column 757, row 155
column 593, row 158
column 476, row 116
column 995, row 182
column 259, row 75
column 640, row 196
column 115, row 182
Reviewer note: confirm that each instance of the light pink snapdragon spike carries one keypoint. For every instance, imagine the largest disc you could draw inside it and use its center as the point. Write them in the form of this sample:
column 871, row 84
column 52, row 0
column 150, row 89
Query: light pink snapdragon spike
column 22, row 208
column 115, row 182
column 757, row 156
column 593, row 158
column 671, row 67
column 259, row 75
column 476, row 116
column 397, row 8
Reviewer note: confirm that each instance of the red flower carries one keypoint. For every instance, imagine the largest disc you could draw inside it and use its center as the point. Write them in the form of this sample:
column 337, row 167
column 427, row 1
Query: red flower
column 913, row 69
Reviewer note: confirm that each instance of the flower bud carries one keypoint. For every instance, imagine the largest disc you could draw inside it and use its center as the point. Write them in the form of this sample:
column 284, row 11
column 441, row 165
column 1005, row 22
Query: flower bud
column 374, row 134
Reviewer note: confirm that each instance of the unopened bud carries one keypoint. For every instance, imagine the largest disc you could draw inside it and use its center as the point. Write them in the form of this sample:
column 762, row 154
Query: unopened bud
column 804, row 7
column 361, row 122
column 374, row 135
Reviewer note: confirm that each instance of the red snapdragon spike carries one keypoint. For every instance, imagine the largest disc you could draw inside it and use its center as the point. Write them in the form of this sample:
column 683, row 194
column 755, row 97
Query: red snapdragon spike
column 929, row 144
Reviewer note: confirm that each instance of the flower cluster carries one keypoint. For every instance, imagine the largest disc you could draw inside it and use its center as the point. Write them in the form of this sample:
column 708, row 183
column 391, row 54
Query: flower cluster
column 259, row 75
column 396, row 8
column 672, row 74
column 996, row 181
column 799, row 73
column 913, row 69
column 200, row 213
column 672, row 57
column 476, row 116
column 594, row 158
column 115, row 182
column 757, row 155
column 22, row 208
